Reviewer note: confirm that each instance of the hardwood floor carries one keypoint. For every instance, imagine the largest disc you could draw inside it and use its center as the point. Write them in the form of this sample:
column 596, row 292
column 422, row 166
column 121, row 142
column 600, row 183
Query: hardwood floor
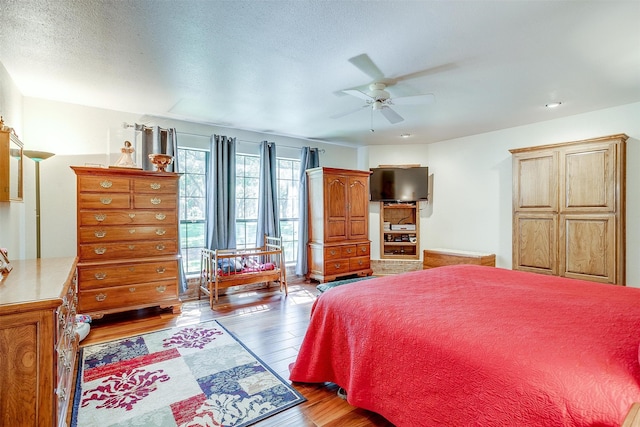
column 273, row 327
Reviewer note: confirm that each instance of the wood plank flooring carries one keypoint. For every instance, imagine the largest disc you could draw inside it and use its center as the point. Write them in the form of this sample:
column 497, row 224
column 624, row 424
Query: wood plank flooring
column 273, row 327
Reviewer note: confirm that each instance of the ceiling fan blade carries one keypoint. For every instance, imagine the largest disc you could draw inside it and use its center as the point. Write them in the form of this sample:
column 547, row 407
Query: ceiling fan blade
column 414, row 100
column 366, row 65
column 337, row 116
column 358, row 94
column 391, row 115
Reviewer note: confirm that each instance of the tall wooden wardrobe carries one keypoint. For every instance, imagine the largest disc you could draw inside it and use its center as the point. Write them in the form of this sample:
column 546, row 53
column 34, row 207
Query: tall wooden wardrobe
column 338, row 223
column 569, row 209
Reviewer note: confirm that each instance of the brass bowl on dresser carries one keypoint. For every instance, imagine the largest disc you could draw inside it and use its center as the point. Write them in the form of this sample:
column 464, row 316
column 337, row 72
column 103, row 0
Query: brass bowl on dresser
column 161, row 161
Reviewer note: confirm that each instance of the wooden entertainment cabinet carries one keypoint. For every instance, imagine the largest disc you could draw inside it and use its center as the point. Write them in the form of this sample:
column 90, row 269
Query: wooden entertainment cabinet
column 399, row 231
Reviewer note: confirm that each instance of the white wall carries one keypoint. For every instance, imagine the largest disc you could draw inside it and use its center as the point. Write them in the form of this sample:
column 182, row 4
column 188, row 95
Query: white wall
column 471, row 207
column 12, row 214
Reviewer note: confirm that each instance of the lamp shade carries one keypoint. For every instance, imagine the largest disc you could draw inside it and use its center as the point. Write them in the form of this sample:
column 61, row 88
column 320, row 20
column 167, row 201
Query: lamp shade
column 37, row 156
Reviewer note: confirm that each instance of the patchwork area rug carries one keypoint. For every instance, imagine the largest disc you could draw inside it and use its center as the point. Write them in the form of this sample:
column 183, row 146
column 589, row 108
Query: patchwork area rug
column 197, row 375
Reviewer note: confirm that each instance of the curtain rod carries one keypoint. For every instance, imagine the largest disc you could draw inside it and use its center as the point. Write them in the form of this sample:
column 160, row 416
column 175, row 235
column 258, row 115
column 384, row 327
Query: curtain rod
column 144, row 127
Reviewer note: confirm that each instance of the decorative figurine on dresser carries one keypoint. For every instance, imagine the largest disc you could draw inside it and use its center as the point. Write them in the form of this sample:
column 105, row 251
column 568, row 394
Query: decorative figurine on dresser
column 127, row 240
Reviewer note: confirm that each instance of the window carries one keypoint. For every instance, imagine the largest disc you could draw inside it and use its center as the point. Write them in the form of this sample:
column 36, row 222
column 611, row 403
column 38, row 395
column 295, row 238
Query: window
column 247, row 187
column 288, row 171
column 192, row 163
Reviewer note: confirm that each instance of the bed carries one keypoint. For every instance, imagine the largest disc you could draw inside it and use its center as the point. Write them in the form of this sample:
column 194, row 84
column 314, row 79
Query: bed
column 224, row 268
column 473, row 345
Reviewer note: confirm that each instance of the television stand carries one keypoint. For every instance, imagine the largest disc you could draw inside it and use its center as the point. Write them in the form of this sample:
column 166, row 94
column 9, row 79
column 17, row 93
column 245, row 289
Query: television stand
column 399, row 230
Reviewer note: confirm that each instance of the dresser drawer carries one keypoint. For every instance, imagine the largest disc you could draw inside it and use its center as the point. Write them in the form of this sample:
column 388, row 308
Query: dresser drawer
column 100, row 300
column 103, row 184
column 104, row 200
column 359, row 263
column 108, row 251
column 348, row 251
column 336, row 266
column 154, row 201
column 332, row 253
column 125, row 233
column 363, row 249
column 154, row 185
column 106, row 217
column 125, row 274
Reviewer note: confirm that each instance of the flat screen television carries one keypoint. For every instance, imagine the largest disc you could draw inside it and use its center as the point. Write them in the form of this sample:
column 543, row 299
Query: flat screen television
column 399, row 184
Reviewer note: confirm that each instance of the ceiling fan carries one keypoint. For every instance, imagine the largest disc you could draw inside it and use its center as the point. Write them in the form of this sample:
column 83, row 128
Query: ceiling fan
column 378, row 99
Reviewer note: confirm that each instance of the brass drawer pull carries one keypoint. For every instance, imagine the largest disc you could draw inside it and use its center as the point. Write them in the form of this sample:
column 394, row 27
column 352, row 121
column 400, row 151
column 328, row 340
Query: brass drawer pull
column 100, row 233
column 132, row 269
column 105, row 200
column 161, row 289
column 155, row 186
column 100, row 250
column 100, row 217
column 132, row 231
column 160, row 216
column 101, row 297
column 100, row 275
column 348, row 250
column 337, row 265
column 160, row 270
column 132, row 289
column 333, row 252
column 132, row 215
column 161, row 231
column 360, row 262
column 160, row 247
column 106, row 184
column 156, row 201
column 363, row 249
column 132, row 247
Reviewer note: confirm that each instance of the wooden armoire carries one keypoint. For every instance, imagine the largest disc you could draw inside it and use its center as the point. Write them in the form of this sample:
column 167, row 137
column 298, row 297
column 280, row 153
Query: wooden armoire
column 569, row 209
column 338, row 223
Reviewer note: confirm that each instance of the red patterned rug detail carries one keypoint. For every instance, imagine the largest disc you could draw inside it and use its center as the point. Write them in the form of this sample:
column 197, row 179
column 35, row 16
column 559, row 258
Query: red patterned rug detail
column 198, row 375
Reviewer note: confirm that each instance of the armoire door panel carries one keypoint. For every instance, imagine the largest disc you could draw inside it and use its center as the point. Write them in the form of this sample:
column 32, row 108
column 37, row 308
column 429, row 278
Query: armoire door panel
column 536, row 248
column 589, row 179
column 536, row 180
column 358, row 211
column 588, row 247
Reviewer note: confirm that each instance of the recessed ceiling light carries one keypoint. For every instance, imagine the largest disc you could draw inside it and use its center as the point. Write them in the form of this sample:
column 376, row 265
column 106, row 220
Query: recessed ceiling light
column 405, row 135
column 553, row 104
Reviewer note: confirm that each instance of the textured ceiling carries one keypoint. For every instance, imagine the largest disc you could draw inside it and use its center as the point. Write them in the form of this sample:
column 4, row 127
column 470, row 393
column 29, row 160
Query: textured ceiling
column 280, row 66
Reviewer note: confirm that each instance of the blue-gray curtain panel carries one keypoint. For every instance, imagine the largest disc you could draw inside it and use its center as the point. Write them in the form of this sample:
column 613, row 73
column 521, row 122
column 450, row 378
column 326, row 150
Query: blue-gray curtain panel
column 309, row 158
column 268, row 212
column 157, row 141
column 163, row 141
column 221, row 193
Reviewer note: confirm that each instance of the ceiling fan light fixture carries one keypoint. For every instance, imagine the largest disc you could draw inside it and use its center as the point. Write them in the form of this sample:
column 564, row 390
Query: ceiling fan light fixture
column 377, row 105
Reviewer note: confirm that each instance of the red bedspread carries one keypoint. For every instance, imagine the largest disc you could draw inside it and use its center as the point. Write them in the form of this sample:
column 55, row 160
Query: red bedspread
column 471, row 345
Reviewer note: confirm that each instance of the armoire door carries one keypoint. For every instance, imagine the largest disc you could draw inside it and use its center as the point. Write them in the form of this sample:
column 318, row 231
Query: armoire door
column 358, row 208
column 336, row 211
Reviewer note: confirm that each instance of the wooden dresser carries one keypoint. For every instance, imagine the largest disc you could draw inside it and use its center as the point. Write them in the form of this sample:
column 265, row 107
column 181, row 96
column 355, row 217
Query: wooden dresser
column 38, row 344
column 127, row 240
column 338, row 223
column 439, row 257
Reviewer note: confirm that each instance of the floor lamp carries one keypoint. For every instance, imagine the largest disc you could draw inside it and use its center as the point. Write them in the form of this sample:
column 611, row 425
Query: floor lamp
column 37, row 156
